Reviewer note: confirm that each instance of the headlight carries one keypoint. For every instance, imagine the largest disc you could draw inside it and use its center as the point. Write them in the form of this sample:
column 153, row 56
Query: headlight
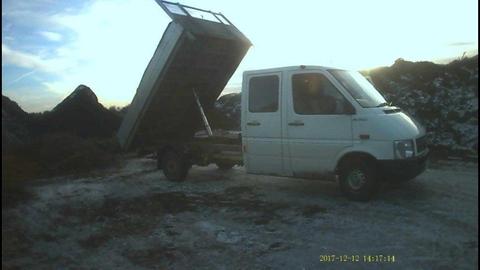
column 403, row 149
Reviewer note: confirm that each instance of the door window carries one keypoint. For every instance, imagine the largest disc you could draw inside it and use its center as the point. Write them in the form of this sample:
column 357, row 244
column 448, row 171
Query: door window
column 263, row 94
column 313, row 93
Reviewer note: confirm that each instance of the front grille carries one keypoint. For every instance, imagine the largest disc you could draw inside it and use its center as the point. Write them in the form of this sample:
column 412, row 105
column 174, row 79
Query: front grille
column 421, row 144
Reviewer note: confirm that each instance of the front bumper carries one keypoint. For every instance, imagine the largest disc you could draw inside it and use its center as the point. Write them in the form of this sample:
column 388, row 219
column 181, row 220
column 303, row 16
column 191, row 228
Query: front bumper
column 403, row 169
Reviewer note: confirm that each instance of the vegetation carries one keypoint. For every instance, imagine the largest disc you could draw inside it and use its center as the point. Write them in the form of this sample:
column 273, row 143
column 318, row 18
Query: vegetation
column 54, row 154
column 76, row 137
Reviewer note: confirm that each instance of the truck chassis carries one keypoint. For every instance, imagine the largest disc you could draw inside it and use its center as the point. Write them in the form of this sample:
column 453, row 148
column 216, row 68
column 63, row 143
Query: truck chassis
column 176, row 158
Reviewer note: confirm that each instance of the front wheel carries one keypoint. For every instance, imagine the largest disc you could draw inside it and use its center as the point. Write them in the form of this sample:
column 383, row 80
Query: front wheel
column 359, row 180
column 174, row 166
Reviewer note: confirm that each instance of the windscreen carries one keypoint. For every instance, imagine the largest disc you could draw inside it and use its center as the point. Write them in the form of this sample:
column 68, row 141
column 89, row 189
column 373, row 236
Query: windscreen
column 359, row 87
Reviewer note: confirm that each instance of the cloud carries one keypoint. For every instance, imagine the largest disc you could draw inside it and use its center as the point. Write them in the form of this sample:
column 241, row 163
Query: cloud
column 52, row 65
column 28, row 18
column 52, row 36
column 461, row 44
column 33, row 100
column 21, row 59
column 96, row 46
column 23, row 76
column 39, row 13
column 107, row 52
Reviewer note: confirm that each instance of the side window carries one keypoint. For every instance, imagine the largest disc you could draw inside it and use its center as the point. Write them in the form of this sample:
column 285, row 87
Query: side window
column 263, row 94
column 313, row 93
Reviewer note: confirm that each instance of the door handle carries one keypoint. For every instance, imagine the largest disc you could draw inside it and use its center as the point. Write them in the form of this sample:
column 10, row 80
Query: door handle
column 296, row 123
column 253, row 123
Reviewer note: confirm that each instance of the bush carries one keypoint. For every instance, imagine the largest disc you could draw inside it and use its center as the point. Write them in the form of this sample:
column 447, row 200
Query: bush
column 15, row 171
column 63, row 154
column 54, row 155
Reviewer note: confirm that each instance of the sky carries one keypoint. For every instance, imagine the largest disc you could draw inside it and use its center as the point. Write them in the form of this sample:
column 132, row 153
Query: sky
column 50, row 47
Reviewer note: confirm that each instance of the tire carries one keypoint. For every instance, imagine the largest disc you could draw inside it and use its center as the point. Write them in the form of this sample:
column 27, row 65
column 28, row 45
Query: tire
column 174, row 166
column 225, row 165
column 359, row 180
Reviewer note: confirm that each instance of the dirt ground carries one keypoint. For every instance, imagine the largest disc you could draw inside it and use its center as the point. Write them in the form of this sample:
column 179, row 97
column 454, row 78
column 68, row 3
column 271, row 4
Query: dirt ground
column 133, row 218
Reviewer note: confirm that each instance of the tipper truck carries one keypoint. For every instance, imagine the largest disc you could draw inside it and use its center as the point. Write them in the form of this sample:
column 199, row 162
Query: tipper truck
column 300, row 121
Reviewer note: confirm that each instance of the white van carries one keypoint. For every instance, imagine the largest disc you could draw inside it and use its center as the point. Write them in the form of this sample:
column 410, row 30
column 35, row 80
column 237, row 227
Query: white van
column 314, row 122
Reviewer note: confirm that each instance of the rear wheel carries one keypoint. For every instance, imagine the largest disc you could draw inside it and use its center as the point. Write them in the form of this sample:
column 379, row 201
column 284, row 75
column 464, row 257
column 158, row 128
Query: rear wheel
column 359, row 179
column 174, row 166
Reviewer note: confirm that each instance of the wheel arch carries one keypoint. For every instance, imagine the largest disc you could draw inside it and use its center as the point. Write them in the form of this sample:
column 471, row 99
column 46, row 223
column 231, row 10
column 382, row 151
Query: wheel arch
column 164, row 148
column 353, row 155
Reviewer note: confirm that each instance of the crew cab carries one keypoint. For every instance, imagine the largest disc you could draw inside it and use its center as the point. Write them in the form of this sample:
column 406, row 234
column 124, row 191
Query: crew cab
column 319, row 122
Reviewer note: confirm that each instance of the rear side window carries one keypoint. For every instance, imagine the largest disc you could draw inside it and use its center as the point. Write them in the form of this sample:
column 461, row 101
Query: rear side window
column 263, row 94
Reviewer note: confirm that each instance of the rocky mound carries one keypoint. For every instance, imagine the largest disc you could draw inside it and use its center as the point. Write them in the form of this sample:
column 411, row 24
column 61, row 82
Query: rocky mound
column 229, row 107
column 75, row 137
column 444, row 98
column 14, row 123
column 80, row 114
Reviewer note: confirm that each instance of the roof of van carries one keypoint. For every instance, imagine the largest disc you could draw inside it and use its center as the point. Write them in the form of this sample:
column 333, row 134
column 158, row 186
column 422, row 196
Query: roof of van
column 290, row 68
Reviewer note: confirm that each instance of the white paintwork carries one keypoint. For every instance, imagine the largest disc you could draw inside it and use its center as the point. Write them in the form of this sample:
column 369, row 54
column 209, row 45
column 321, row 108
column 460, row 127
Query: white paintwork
column 274, row 147
column 312, row 145
column 264, row 141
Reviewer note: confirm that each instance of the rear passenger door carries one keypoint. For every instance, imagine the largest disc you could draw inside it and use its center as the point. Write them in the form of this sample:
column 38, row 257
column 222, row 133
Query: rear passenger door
column 261, row 123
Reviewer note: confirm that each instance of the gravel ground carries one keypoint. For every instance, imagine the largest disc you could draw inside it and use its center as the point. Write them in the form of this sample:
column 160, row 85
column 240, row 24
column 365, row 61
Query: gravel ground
column 133, row 218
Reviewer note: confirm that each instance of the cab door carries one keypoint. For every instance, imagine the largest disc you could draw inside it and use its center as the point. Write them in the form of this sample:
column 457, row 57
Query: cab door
column 261, row 123
column 318, row 123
